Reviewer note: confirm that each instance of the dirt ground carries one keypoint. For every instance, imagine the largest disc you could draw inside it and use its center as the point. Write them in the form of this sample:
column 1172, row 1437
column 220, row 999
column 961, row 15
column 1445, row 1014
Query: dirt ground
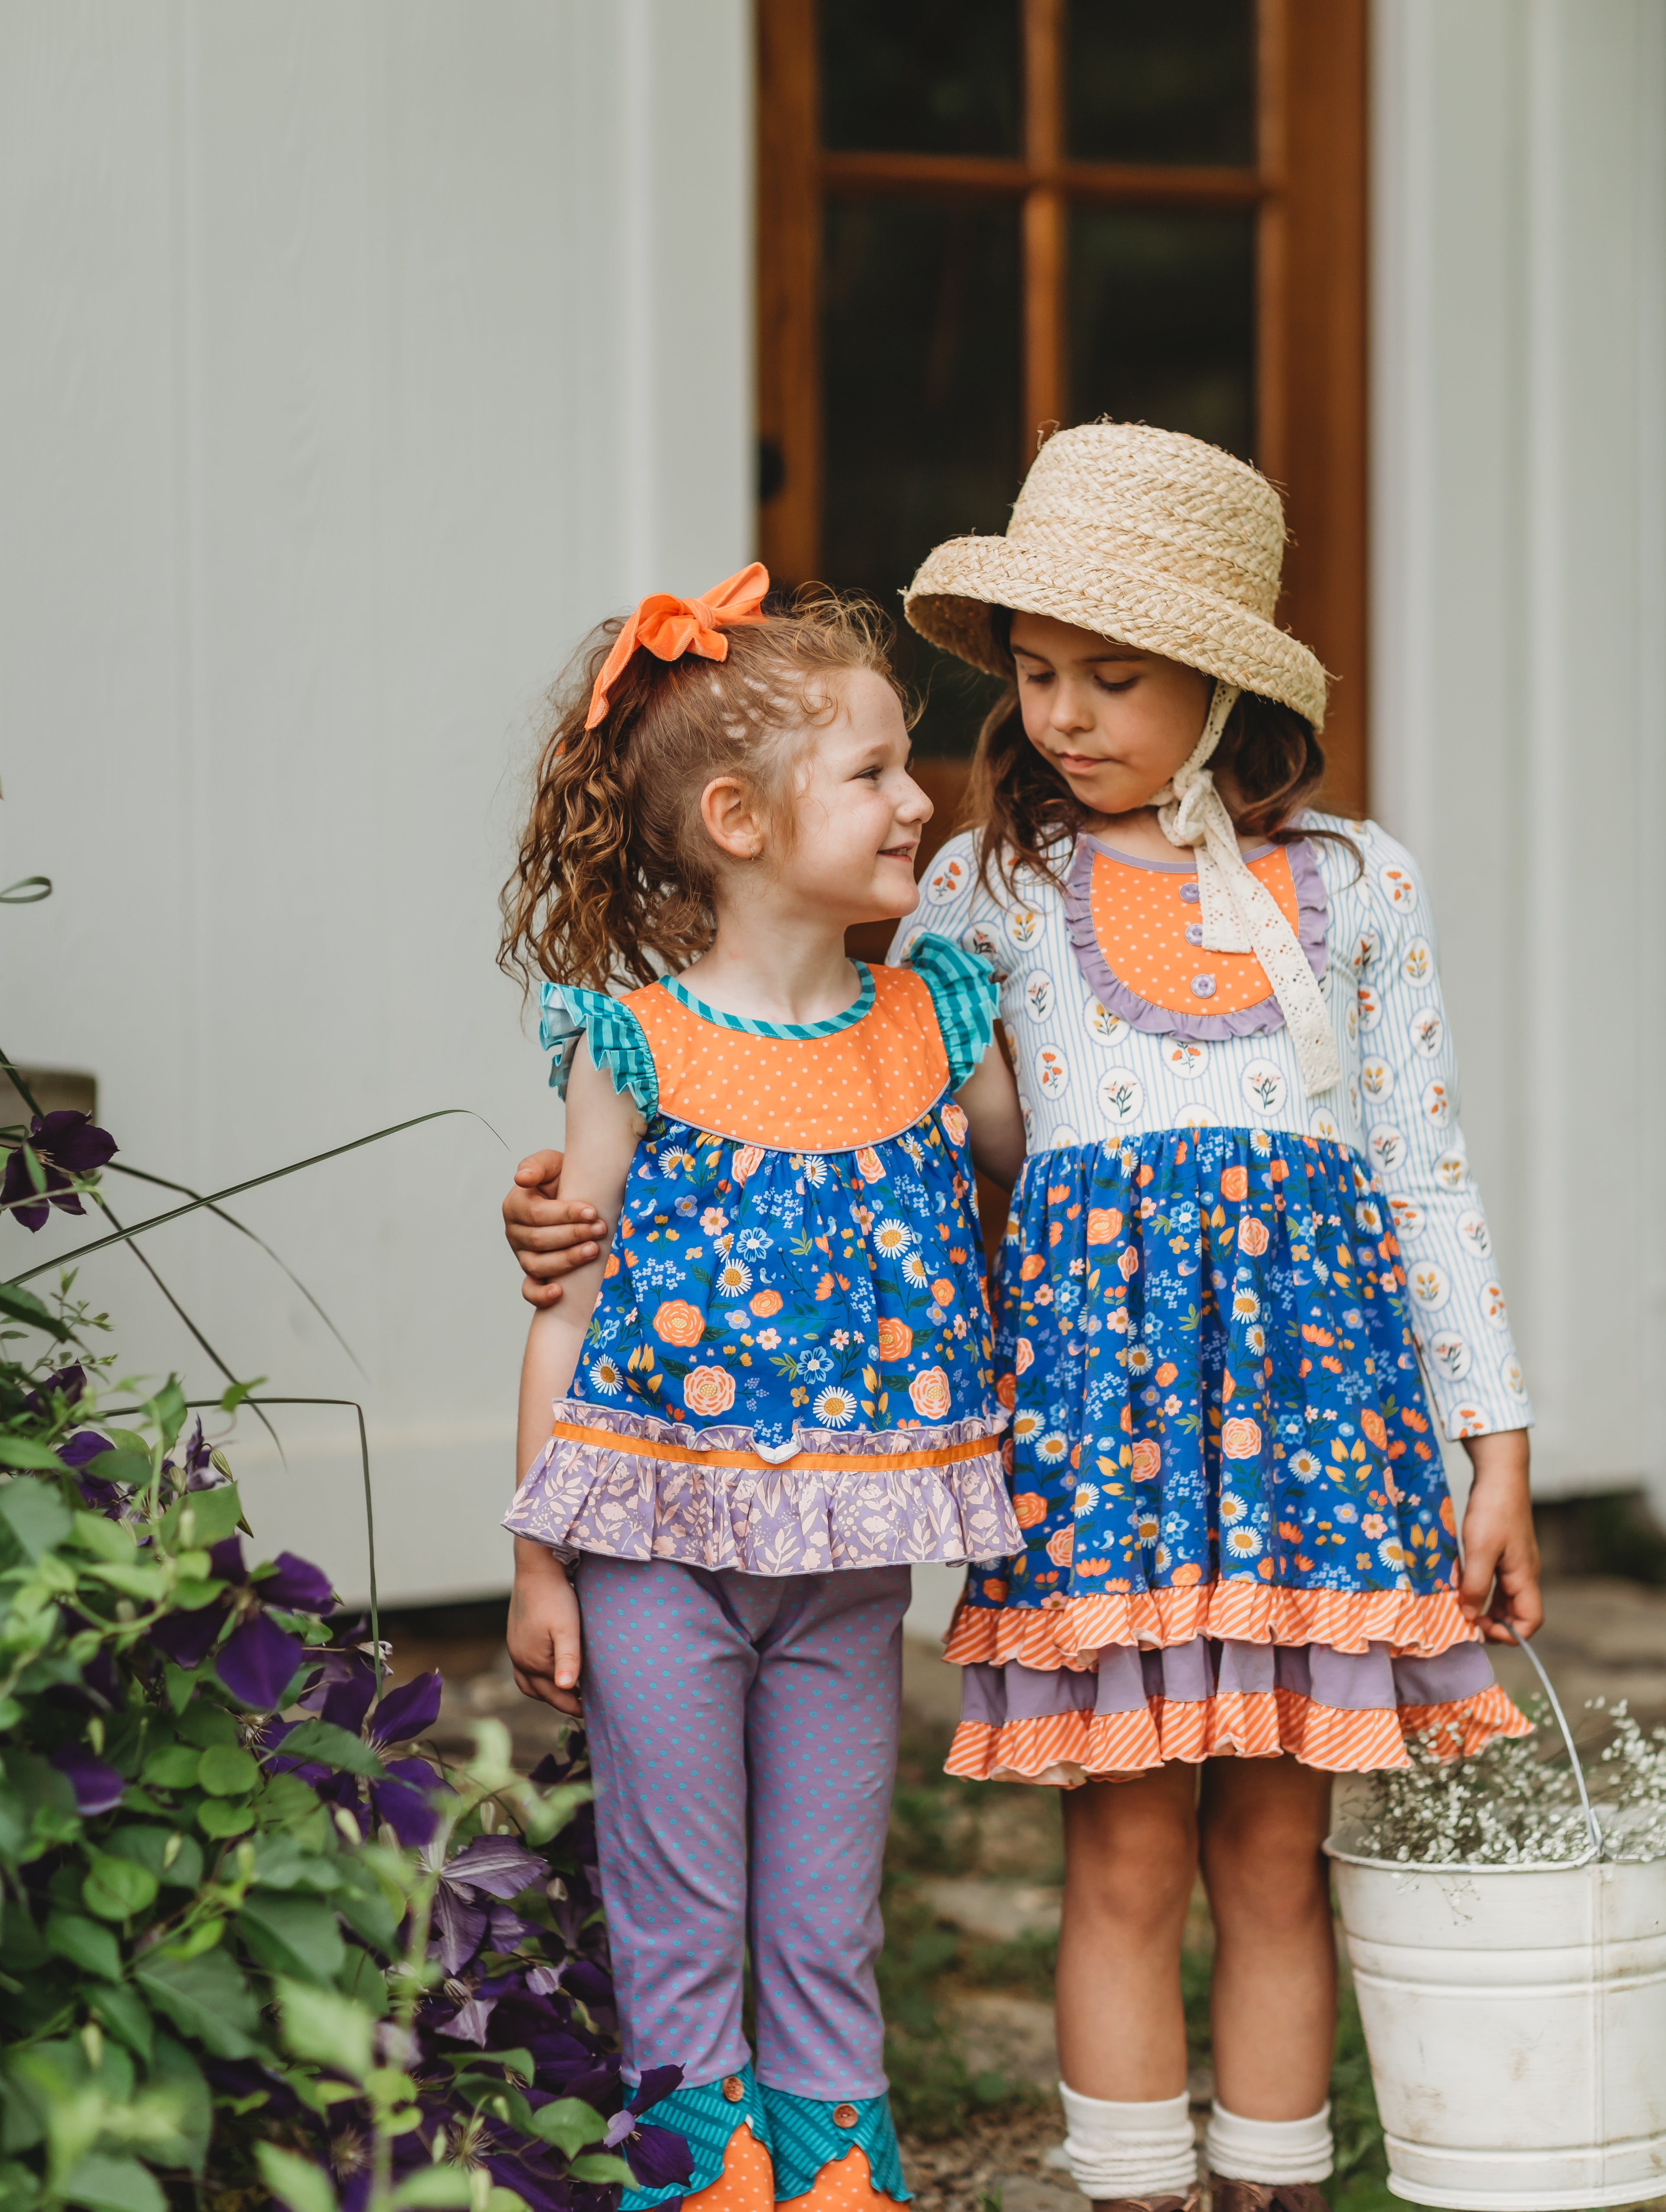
column 972, row 1897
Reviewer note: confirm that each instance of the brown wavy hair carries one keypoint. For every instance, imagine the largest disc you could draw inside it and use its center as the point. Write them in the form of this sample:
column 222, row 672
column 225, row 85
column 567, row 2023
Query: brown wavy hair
column 1268, row 762
column 616, row 876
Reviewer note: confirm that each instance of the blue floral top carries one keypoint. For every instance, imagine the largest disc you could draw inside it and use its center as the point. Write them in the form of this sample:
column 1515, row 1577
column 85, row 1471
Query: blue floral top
column 790, row 1365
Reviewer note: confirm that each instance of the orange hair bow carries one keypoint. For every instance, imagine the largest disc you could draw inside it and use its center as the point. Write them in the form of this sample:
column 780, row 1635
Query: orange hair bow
column 670, row 627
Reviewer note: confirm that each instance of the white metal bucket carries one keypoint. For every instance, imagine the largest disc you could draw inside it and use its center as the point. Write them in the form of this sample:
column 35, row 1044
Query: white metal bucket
column 1516, row 2018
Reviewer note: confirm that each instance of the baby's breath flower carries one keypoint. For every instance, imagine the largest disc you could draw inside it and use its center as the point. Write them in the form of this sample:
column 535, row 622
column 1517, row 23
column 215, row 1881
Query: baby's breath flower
column 1517, row 1803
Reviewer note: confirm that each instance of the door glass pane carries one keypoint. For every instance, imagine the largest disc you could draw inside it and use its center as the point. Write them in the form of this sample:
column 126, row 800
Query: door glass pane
column 1162, row 321
column 1161, row 81
column 920, row 410
column 920, row 76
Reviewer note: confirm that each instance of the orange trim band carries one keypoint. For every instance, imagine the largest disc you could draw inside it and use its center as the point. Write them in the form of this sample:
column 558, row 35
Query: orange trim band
column 1240, row 1610
column 808, row 1462
column 1067, row 1748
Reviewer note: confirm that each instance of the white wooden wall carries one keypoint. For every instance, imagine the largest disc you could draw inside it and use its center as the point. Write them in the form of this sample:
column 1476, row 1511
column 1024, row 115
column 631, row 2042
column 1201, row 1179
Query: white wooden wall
column 1519, row 647
column 359, row 355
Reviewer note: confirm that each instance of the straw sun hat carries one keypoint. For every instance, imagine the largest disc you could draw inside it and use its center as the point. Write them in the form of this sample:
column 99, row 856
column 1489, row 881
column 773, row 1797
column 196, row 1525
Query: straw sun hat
column 1146, row 536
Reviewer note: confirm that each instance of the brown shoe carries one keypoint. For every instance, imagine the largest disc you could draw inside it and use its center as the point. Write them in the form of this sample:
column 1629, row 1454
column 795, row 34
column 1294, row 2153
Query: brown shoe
column 1190, row 2202
column 1226, row 2195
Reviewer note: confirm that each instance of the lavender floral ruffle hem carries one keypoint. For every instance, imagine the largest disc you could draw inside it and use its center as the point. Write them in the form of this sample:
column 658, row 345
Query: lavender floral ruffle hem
column 633, row 1487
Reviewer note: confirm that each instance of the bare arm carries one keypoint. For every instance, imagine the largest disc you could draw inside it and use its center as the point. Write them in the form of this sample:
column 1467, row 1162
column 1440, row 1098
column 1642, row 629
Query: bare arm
column 990, row 1099
column 545, row 1650
column 1500, row 1550
column 548, row 1234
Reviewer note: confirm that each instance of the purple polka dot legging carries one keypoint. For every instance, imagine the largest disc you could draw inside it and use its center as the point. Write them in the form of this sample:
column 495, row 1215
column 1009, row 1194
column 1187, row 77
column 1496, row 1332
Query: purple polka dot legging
column 743, row 1730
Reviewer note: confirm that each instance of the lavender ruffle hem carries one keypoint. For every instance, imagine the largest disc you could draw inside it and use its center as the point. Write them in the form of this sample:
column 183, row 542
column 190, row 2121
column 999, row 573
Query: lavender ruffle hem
column 1125, row 1679
column 626, row 1498
column 1312, row 911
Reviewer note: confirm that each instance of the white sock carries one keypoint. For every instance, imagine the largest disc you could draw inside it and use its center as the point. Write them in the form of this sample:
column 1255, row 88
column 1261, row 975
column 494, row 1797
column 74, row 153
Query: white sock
column 1269, row 2150
column 1129, row 2150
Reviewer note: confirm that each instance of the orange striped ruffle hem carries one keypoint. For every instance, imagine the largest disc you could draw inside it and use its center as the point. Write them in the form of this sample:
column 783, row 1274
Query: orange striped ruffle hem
column 1067, row 1748
column 1234, row 1611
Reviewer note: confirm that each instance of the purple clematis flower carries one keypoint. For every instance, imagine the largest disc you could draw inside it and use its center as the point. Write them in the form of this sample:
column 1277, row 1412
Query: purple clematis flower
column 493, row 1867
column 295, row 1584
column 98, row 1788
column 65, row 1383
column 258, row 1659
column 659, row 2157
column 66, row 1144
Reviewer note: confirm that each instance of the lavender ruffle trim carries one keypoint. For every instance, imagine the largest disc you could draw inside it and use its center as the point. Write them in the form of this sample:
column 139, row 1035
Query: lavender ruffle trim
column 1371, row 1681
column 1312, row 915
column 785, row 1518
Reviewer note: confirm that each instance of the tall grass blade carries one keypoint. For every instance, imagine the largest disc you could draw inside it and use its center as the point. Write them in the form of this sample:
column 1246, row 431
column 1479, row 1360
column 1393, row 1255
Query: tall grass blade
column 235, row 1189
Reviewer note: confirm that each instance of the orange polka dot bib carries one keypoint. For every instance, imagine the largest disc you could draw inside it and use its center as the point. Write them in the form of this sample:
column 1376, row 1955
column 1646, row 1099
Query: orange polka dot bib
column 1136, row 927
column 870, row 1072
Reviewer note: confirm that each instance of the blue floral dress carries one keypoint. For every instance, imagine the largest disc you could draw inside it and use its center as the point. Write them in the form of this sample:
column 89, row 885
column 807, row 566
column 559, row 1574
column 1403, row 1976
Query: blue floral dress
column 790, row 1366
column 1223, row 1311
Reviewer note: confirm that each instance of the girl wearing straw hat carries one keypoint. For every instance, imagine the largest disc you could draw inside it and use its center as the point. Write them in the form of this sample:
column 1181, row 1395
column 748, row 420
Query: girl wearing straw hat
column 1244, row 1226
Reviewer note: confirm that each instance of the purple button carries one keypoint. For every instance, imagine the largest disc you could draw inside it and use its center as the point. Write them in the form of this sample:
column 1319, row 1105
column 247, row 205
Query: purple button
column 1190, row 893
column 1203, row 987
column 1193, row 932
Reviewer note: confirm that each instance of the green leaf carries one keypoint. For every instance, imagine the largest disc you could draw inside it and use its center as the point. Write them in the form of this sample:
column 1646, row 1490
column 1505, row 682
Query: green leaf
column 601, row 2167
column 214, row 1515
column 331, row 2030
column 371, row 1919
column 104, row 1539
column 175, row 1859
column 113, row 2185
column 227, row 1770
column 220, row 1817
column 173, row 1767
column 294, row 1935
column 365, row 1983
column 569, row 2123
column 207, row 1998
column 285, row 1801
column 28, row 1451
column 36, row 1513
column 126, row 2016
column 143, row 1583
column 20, row 2125
column 84, row 1944
column 295, row 2181
column 20, row 2186
column 126, row 1461
column 206, row 1724
column 546, row 1812
column 23, row 1305
column 115, row 1889
column 168, row 1410
column 433, row 2187
column 333, row 1747
column 180, row 2109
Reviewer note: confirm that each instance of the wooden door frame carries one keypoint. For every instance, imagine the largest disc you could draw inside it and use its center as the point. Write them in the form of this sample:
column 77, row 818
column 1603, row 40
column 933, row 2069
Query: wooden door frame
column 1308, row 187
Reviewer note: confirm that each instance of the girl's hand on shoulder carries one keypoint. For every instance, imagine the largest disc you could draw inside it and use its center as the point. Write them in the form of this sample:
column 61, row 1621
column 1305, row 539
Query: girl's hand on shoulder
column 989, row 1099
column 545, row 1640
column 1500, row 1579
column 548, row 1234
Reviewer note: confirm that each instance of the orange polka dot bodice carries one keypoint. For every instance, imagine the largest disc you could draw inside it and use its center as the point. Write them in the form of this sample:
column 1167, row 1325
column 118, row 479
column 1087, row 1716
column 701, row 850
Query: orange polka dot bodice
column 865, row 1083
column 1142, row 915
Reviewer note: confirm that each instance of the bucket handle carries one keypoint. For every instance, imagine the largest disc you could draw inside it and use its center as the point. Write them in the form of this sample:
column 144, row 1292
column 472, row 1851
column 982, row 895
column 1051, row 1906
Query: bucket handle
column 1523, row 1645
